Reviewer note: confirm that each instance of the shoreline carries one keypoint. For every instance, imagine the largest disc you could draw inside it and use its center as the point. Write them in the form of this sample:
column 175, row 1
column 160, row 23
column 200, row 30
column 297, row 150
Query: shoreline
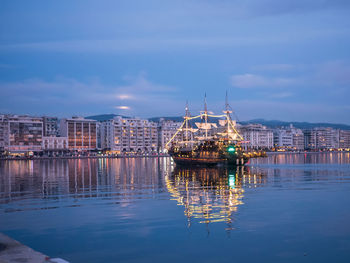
column 320, row 152
column 140, row 156
column 81, row 157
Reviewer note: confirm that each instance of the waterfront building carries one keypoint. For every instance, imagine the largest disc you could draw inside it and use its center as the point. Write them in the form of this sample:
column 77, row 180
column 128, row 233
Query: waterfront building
column 321, row 138
column 129, row 135
column 81, row 133
column 283, row 139
column 167, row 130
column 50, row 125
column 54, row 145
column 257, row 136
column 344, row 139
column 2, row 133
column 21, row 134
column 288, row 138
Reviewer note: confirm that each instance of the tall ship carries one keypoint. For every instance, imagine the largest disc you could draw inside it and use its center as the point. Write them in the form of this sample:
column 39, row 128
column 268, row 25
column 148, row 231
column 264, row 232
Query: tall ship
column 208, row 143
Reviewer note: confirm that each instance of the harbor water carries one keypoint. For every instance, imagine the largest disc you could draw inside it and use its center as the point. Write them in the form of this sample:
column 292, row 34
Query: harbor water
column 283, row 208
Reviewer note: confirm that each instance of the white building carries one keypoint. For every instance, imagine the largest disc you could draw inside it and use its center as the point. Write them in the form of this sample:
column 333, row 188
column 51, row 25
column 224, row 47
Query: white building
column 129, row 135
column 257, row 136
column 167, row 130
column 289, row 138
column 54, row 145
column 344, row 139
column 321, row 138
column 3, row 126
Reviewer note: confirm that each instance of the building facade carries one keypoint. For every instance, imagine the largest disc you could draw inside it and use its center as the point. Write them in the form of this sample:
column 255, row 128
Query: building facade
column 288, row 138
column 257, row 136
column 167, row 129
column 129, row 135
column 54, row 145
column 81, row 133
column 21, row 134
column 321, row 138
column 50, row 125
column 344, row 139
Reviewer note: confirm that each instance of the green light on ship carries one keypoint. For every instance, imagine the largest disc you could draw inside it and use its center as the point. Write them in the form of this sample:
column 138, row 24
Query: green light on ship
column 231, row 149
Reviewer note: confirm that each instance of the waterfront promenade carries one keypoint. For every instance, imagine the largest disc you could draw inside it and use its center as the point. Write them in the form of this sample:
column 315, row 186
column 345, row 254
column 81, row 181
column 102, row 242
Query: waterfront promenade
column 84, row 157
column 12, row 251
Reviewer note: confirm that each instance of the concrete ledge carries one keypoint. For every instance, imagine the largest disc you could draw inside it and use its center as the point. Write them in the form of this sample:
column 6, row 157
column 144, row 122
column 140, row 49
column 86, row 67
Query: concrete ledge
column 13, row 251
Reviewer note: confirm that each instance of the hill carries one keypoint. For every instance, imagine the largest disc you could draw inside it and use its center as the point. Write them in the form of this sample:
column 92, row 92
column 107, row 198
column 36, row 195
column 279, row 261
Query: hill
column 268, row 123
column 104, row 117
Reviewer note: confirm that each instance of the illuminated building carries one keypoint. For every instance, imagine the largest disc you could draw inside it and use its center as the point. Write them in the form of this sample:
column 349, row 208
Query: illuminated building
column 257, row 136
column 289, row 138
column 321, row 138
column 2, row 133
column 21, row 134
column 344, row 139
column 81, row 133
column 167, row 129
column 129, row 135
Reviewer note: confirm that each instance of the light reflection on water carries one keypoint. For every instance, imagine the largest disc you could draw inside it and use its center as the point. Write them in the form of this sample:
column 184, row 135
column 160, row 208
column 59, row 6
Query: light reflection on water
column 137, row 207
column 210, row 194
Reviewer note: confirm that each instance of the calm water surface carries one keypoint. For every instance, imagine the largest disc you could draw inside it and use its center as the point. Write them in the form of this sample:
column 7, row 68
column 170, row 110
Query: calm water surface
column 284, row 208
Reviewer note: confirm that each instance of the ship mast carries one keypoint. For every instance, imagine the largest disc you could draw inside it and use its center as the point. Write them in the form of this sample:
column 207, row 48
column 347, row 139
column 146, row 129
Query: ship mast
column 187, row 116
column 228, row 117
column 206, row 115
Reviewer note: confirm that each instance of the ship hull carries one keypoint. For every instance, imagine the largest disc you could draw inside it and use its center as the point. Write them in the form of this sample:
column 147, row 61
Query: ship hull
column 209, row 161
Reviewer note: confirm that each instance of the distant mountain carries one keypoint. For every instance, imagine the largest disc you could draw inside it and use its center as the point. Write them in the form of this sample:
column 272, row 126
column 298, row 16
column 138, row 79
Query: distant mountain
column 104, row 117
column 273, row 123
column 268, row 123
column 300, row 125
column 157, row 119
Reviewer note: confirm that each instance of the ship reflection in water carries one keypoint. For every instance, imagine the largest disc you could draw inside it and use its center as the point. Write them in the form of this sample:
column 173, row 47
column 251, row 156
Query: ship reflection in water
column 208, row 195
column 211, row 195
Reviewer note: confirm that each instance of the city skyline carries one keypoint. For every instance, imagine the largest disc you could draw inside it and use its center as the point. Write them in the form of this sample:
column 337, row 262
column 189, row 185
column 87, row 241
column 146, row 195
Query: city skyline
column 286, row 61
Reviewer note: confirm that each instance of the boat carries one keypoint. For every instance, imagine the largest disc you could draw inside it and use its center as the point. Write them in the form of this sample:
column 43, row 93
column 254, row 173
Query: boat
column 211, row 143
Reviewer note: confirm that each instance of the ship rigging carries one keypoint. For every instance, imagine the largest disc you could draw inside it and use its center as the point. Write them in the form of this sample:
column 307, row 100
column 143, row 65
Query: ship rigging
column 211, row 143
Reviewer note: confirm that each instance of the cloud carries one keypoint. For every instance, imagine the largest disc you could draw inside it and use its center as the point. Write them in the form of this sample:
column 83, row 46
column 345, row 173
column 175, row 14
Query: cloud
column 291, row 111
column 124, row 96
column 141, row 44
column 274, row 67
column 69, row 96
column 281, row 95
column 256, row 81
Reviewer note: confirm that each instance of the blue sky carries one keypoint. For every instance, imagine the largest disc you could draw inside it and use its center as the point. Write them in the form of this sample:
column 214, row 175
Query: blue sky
column 278, row 59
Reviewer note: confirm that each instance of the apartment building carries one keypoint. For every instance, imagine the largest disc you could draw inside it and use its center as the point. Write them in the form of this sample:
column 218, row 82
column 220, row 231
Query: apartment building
column 344, row 139
column 257, row 136
column 167, row 129
column 3, row 127
column 21, row 134
column 288, row 138
column 129, row 135
column 50, row 125
column 321, row 138
column 81, row 133
column 54, row 145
